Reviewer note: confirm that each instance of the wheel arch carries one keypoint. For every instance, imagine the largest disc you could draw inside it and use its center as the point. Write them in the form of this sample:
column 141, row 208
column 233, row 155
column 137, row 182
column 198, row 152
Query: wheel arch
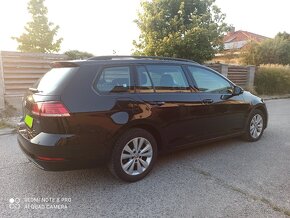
column 264, row 111
column 146, row 126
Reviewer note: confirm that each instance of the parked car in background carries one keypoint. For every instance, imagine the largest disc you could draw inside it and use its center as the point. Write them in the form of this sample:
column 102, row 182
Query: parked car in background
column 124, row 110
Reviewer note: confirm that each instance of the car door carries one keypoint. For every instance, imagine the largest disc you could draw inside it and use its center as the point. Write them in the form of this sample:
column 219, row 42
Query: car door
column 223, row 113
column 165, row 93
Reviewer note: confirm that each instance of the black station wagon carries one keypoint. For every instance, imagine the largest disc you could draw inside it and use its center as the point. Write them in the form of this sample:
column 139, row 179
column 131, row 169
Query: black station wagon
column 124, row 110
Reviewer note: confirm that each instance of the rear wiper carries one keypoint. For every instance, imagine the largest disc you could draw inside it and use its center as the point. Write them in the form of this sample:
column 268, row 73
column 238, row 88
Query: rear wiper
column 34, row 90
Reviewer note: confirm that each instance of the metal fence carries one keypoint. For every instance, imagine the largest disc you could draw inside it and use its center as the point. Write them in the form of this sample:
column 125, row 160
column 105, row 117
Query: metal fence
column 21, row 70
column 18, row 71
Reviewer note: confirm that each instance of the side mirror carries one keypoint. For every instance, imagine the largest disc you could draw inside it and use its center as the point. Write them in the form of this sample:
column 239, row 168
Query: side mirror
column 237, row 90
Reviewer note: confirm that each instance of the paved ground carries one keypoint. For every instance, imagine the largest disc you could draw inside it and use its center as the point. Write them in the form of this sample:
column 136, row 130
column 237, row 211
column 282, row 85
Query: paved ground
column 226, row 179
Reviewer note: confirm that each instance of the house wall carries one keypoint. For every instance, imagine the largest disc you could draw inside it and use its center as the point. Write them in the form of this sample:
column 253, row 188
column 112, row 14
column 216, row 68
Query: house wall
column 234, row 45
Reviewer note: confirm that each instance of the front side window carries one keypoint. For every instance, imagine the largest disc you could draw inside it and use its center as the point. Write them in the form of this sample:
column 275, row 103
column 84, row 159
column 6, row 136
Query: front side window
column 114, row 80
column 208, row 81
column 168, row 78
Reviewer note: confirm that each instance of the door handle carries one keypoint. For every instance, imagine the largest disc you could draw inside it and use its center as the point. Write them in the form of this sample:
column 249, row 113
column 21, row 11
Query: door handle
column 207, row 101
column 157, row 103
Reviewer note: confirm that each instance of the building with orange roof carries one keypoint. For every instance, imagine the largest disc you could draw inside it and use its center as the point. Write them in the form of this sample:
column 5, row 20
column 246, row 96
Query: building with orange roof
column 234, row 42
column 238, row 39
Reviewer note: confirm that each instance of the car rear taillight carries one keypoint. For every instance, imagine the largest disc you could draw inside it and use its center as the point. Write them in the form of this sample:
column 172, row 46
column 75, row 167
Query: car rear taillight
column 50, row 109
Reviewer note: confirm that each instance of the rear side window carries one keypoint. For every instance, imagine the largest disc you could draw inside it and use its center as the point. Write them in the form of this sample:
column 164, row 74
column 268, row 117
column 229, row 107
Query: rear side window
column 53, row 79
column 168, row 78
column 114, row 80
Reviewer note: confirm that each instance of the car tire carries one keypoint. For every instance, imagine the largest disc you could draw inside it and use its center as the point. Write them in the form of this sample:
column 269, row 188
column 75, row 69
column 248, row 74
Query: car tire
column 255, row 126
column 133, row 155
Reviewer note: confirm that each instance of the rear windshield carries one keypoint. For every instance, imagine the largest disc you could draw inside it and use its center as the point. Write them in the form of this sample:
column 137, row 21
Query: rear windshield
column 53, row 80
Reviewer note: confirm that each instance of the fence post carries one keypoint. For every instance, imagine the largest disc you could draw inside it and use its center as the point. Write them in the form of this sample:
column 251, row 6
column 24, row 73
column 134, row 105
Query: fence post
column 224, row 69
column 2, row 86
column 251, row 76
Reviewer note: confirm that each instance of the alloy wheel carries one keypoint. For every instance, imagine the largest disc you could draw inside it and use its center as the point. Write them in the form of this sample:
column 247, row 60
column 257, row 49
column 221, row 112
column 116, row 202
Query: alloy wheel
column 256, row 126
column 136, row 156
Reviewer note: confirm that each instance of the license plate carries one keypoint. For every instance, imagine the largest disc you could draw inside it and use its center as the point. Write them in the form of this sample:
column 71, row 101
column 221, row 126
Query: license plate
column 28, row 121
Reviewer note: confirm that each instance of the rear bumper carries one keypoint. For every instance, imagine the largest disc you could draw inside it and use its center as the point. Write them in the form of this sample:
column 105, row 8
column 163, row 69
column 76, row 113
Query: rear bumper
column 57, row 152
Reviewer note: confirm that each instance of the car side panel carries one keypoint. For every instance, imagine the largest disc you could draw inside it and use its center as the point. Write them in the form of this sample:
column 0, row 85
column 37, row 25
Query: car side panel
column 225, row 115
column 173, row 116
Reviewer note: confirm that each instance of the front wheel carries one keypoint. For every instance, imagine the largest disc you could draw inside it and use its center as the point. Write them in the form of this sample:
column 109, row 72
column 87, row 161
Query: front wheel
column 255, row 126
column 134, row 155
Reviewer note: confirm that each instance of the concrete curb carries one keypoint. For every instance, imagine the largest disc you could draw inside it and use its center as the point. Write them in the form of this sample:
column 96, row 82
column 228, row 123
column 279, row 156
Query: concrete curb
column 7, row 131
column 267, row 98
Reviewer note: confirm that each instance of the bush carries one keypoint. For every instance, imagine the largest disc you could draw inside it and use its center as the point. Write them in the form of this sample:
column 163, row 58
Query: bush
column 270, row 51
column 272, row 79
column 78, row 55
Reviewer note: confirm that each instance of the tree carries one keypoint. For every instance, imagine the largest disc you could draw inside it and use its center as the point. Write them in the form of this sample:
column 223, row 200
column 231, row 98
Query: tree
column 191, row 29
column 270, row 51
column 78, row 55
column 283, row 35
column 39, row 34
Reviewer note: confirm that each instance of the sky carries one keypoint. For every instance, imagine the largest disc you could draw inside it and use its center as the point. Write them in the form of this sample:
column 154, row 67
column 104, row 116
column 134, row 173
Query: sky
column 104, row 26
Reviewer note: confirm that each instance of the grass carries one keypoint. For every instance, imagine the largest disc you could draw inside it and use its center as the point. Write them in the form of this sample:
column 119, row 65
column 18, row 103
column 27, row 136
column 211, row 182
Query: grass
column 2, row 124
column 5, row 115
column 273, row 79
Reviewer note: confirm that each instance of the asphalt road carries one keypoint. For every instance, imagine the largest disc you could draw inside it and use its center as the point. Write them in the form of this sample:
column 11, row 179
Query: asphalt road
column 231, row 178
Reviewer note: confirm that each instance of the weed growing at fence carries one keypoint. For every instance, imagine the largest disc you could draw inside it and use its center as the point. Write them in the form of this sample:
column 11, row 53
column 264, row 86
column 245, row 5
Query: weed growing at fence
column 272, row 79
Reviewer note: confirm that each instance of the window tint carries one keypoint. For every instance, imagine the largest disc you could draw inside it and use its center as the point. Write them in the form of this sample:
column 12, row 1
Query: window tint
column 208, row 81
column 168, row 78
column 144, row 81
column 114, row 79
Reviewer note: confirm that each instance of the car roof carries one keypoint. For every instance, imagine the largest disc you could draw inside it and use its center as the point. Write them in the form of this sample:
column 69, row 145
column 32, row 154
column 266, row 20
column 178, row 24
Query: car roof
column 115, row 60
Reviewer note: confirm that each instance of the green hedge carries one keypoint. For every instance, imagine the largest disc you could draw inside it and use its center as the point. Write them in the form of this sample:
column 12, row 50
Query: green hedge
column 272, row 79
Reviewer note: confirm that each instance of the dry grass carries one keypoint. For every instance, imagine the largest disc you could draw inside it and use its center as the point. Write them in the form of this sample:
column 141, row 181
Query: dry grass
column 273, row 79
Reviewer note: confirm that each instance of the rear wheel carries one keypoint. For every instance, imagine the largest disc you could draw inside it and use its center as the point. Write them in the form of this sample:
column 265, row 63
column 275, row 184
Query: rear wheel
column 134, row 155
column 255, row 126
